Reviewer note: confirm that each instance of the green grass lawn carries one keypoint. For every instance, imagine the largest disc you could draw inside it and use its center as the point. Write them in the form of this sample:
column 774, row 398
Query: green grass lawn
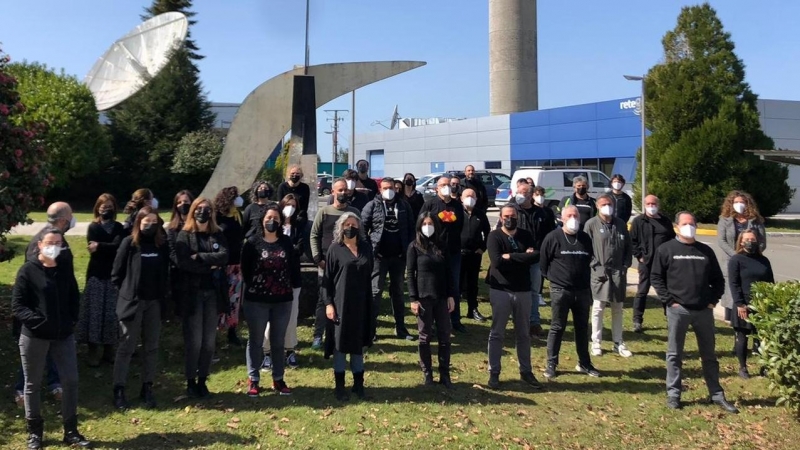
column 624, row 409
column 80, row 216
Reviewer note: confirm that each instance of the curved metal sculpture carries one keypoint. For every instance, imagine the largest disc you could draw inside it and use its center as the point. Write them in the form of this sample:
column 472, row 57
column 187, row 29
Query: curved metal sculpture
column 266, row 115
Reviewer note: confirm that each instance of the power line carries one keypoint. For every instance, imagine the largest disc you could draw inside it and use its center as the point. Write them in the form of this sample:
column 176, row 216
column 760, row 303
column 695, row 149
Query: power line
column 335, row 134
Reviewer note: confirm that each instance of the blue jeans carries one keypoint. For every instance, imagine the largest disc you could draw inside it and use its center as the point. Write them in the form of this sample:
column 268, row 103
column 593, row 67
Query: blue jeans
column 257, row 316
column 455, row 278
column 536, row 293
column 340, row 362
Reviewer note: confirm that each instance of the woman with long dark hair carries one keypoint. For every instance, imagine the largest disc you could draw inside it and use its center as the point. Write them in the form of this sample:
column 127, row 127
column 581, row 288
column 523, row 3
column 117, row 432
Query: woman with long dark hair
column 141, row 273
column 202, row 253
column 347, row 294
column 411, row 195
column 229, row 219
column 260, row 197
column 98, row 323
column 270, row 277
column 141, row 197
column 180, row 213
column 431, row 295
column 746, row 267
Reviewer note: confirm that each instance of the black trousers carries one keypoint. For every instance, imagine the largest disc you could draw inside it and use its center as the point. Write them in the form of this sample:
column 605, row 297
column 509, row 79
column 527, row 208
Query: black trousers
column 470, row 270
column 640, row 300
column 562, row 302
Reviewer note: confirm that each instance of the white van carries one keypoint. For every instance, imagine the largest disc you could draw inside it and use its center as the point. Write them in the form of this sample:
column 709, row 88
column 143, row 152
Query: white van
column 558, row 182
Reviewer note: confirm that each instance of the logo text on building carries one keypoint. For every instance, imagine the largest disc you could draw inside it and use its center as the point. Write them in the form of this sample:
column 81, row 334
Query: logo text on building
column 634, row 104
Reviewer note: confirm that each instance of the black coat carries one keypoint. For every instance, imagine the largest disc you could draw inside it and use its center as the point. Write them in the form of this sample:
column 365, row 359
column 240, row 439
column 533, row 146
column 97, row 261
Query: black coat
column 373, row 217
column 45, row 300
column 482, row 199
column 301, row 192
column 347, row 284
column 196, row 272
column 415, row 201
column 127, row 273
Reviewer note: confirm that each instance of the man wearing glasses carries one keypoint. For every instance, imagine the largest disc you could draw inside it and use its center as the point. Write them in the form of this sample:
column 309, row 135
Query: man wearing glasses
column 511, row 254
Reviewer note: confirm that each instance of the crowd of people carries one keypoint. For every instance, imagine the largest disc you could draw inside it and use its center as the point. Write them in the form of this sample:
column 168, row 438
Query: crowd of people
column 213, row 264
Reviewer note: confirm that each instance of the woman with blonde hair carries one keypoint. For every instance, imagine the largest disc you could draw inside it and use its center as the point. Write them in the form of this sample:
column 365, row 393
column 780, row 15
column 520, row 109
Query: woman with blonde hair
column 202, row 254
column 347, row 294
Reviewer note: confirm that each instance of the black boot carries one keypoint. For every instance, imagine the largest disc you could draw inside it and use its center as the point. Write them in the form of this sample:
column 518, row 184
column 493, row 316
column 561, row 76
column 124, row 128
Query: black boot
column 425, row 363
column 35, row 433
column 146, row 395
column 191, row 388
column 71, row 435
column 444, row 366
column 358, row 385
column 202, row 389
column 119, row 398
column 340, row 392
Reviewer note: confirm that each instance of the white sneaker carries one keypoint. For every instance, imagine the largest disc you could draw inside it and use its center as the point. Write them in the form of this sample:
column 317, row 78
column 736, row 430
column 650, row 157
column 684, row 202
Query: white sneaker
column 596, row 350
column 622, row 350
column 541, row 302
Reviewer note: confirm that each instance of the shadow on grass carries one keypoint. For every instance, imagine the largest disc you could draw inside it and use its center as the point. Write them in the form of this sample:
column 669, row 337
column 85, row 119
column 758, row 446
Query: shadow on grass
column 175, row 440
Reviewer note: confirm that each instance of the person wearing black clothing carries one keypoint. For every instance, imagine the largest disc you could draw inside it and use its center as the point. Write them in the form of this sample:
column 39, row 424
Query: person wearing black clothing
column 566, row 257
column 689, row 283
column 227, row 204
column 581, row 200
column 455, row 188
column 623, row 205
column 450, row 213
column 45, row 300
column 202, row 253
column 388, row 223
column 270, row 277
column 473, row 244
column 648, row 232
column 411, row 195
column 346, row 287
column 300, row 190
column 472, row 181
column 550, row 223
column 746, row 267
column 357, row 198
column 141, row 197
column 260, row 197
column 180, row 210
column 141, row 273
column 364, row 183
column 98, row 323
column 430, row 290
column 511, row 253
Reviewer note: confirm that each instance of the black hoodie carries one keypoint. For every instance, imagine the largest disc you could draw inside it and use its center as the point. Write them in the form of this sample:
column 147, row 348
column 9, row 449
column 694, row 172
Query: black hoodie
column 45, row 300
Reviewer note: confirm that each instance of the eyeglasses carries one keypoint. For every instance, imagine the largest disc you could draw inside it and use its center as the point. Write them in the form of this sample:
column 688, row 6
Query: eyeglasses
column 513, row 243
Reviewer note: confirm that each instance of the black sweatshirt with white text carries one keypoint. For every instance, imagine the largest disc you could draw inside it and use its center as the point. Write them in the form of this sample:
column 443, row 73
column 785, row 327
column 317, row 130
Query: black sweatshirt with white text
column 687, row 274
column 565, row 260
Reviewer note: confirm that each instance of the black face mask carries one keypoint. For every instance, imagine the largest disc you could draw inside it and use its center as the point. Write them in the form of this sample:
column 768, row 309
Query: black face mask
column 271, row 226
column 149, row 229
column 362, row 169
column 202, row 216
column 409, row 182
column 342, row 198
column 107, row 215
column 184, row 209
column 581, row 191
column 295, row 178
column 350, row 233
column 510, row 223
column 264, row 194
column 751, row 246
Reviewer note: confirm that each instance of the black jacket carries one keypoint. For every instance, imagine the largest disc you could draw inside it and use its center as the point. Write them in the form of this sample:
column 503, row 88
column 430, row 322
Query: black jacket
column 45, row 300
column 415, row 201
column 451, row 216
column 358, row 200
column 623, row 206
column 513, row 274
column 428, row 274
column 482, row 199
column 687, row 274
column 234, row 236
column 102, row 260
column 475, row 231
column 643, row 236
column 370, row 184
column 373, row 216
column 197, row 273
column 586, row 211
column 127, row 273
column 535, row 220
column 301, row 192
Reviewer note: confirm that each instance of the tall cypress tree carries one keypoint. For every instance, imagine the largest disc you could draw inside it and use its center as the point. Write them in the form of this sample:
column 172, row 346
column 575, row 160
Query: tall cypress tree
column 703, row 115
column 147, row 128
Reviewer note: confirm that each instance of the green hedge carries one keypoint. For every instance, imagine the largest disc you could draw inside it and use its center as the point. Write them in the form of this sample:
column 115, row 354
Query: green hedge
column 777, row 318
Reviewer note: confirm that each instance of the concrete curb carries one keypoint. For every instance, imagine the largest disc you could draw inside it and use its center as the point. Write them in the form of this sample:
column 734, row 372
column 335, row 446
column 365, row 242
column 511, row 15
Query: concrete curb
column 633, row 282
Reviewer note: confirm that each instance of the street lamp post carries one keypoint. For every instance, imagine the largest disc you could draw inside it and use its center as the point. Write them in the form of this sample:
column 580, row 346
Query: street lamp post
column 644, row 158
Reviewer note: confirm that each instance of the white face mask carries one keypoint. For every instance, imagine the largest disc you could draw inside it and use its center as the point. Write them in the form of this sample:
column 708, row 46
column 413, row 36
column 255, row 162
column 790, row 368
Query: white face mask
column 388, row 194
column 607, row 210
column 288, row 210
column 519, row 198
column 651, row 210
column 351, row 185
column 444, row 190
column 238, row 202
column 538, row 199
column 573, row 225
column 739, row 207
column 51, row 251
column 687, row 231
column 616, row 185
column 154, row 203
column 427, row 230
column 469, row 202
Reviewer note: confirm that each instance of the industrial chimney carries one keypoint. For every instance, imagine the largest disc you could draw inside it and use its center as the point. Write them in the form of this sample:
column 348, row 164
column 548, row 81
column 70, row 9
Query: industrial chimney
column 513, row 63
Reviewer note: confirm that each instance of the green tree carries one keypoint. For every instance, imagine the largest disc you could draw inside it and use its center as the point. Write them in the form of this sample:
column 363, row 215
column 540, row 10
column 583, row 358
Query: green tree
column 77, row 144
column 23, row 176
column 703, row 116
column 147, row 128
column 342, row 155
column 198, row 153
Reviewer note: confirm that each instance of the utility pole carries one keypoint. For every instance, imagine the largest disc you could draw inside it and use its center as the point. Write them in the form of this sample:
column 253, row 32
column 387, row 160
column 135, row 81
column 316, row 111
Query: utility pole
column 336, row 119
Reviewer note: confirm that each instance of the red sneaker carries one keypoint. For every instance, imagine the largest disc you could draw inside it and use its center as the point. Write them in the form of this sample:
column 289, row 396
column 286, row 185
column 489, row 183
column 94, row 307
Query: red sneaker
column 280, row 387
column 253, row 389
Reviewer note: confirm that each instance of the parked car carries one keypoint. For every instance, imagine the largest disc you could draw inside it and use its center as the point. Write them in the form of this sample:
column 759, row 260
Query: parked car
column 558, row 182
column 502, row 194
column 324, row 184
column 492, row 180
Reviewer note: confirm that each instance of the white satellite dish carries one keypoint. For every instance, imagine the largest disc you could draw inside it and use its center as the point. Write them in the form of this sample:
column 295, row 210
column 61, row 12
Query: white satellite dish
column 135, row 58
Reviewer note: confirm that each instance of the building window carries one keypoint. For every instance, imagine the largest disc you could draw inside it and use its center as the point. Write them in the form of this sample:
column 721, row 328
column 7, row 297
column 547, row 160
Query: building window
column 489, row 165
column 375, row 163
